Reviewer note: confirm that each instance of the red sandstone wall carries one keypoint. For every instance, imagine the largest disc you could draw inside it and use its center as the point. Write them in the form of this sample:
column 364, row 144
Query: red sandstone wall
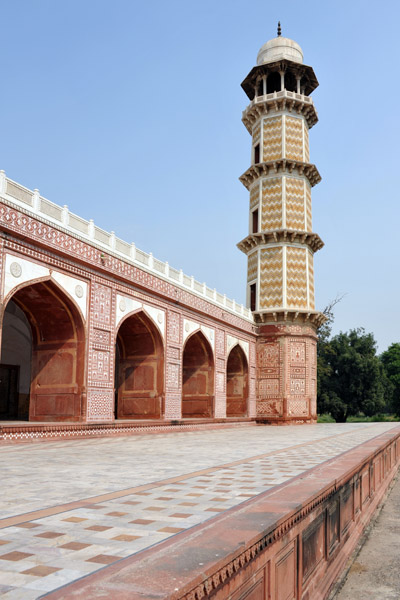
column 107, row 277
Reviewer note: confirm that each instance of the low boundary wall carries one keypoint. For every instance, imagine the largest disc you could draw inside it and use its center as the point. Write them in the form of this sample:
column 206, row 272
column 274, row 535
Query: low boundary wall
column 288, row 543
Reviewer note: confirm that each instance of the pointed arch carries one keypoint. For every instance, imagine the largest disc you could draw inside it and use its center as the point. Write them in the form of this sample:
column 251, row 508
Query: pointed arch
column 197, row 377
column 273, row 82
column 237, row 387
column 139, row 368
column 54, row 330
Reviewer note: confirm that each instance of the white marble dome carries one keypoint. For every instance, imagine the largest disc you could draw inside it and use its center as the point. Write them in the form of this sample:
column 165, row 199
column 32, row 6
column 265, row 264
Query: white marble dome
column 280, row 48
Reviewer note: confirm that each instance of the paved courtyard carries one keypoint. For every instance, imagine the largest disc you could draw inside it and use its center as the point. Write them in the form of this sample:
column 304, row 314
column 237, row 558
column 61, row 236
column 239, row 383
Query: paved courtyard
column 69, row 508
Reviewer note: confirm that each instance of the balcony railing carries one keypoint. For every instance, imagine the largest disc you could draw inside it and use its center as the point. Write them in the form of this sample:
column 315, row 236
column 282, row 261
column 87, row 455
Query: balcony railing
column 61, row 217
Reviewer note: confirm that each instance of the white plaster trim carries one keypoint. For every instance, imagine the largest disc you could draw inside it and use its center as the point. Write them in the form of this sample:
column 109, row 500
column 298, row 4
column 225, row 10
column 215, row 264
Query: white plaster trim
column 283, row 149
column 70, row 284
column 284, row 202
column 210, row 335
column 284, row 276
column 33, row 205
column 284, row 245
column 292, row 175
column 127, row 305
column 158, row 316
column 190, row 327
column 30, row 271
column 232, row 341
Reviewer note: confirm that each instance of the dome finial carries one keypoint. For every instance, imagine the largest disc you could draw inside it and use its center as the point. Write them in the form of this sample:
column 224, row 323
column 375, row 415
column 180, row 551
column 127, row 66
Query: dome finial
column 279, row 29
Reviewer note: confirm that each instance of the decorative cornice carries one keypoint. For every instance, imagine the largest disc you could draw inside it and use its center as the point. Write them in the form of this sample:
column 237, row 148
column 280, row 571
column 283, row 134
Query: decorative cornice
column 290, row 236
column 279, row 101
column 280, row 166
column 275, row 315
column 305, row 72
column 47, row 236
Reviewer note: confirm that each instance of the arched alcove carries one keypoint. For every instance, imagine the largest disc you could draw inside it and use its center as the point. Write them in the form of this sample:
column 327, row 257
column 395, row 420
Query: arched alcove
column 197, row 378
column 42, row 355
column 273, row 82
column 237, row 388
column 139, row 368
column 290, row 82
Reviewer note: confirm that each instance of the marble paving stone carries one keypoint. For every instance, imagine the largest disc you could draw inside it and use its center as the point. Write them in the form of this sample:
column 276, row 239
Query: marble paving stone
column 47, row 551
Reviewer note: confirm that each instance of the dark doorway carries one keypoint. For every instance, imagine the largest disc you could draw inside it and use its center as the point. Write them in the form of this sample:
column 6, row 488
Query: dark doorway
column 9, row 376
column 198, row 378
column 236, row 383
column 253, row 297
column 139, row 369
column 273, row 83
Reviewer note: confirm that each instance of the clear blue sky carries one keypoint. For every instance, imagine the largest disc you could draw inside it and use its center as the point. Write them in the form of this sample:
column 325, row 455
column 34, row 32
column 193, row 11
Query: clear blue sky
column 130, row 113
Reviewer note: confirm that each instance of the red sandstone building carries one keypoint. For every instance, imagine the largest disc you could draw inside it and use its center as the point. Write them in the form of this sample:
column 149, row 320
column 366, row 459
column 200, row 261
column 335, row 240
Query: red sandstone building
column 93, row 330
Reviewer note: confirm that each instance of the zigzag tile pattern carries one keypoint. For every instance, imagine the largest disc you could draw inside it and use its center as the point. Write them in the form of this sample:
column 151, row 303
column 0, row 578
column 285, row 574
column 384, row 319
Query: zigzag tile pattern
column 295, row 217
column 294, row 138
column 254, row 196
column 272, row 143
column 252, row 264
column 311, row 279
column 306, row 144
column 256, row 132
column 296, row 277
column 308, row 208
column 271, row 284
column 271, row 217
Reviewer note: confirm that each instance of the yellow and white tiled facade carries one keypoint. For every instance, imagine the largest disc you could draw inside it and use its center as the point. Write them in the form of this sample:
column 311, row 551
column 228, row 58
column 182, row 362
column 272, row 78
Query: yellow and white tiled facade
column 280, row 272
column 280, row 245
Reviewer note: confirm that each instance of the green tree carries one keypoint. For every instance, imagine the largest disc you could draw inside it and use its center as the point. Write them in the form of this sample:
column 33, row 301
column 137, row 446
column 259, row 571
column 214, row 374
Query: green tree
column 352, row 378
column 391, row 361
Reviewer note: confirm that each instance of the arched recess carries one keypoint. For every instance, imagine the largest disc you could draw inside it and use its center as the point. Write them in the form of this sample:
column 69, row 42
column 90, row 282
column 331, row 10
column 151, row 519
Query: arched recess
column 237, row 386
column 42, row 355
column 139, row 369
column 197, row 378
column 273, row 82
column 290, row 82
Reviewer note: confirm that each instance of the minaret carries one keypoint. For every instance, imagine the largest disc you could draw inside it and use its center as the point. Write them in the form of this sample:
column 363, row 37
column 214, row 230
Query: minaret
column 280, row 246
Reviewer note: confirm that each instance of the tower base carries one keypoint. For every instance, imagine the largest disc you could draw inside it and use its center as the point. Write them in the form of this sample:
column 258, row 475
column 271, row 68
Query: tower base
column 287, row 373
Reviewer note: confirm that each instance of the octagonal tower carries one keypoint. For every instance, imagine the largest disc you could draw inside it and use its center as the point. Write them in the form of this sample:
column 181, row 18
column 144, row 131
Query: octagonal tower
column 280, row 245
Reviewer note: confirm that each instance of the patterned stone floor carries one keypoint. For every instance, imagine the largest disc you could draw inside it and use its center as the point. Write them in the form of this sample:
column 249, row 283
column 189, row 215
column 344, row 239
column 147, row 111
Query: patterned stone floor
column 68, row 508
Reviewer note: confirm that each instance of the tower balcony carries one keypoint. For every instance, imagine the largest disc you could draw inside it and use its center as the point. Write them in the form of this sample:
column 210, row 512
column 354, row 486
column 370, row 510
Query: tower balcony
column 290, row 236
column 283, row 165
column 277, row 315
column 279, row 101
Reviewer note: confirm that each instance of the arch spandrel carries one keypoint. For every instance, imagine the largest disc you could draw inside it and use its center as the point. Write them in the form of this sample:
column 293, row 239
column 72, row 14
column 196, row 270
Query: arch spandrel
column 231, row 341
column 20, row 272
column 190, row 327
column 127, row 306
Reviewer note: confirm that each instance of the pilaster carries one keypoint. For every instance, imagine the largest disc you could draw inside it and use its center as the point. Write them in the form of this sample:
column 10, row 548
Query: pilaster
column 173, row 366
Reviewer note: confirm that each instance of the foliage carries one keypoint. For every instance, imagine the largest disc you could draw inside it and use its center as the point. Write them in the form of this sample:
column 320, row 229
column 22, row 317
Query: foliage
column 351, row 378
column 391, row 361
column 325, row 418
